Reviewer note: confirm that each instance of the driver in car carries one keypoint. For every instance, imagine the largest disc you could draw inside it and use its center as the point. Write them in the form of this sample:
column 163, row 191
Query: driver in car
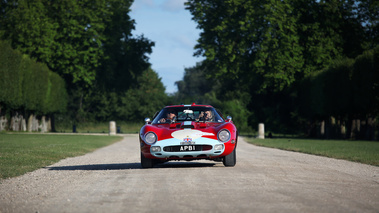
column 206, row 116
column 171, row 116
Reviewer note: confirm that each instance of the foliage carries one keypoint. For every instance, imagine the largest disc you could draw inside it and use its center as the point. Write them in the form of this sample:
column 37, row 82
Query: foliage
column 240, row 114
column 142, row 100
column 195, row 85
column 65, row 35
column 268, row 40
column 29, row 85
column 150, row 92
column 36, row 86
column 346, row 90
column 337, row 88
column 11, row 78
column 366, row 82
column 290, row 58
column 125, row 55
column 89, row 43
column 369, row 15
column 56, row 99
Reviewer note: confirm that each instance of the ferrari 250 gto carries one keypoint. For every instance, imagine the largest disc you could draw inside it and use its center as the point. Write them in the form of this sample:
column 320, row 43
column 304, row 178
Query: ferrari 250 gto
column 188, row 132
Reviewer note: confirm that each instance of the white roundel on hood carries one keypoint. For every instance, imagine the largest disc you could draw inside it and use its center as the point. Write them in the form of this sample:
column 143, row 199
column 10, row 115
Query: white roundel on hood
column 189, row 133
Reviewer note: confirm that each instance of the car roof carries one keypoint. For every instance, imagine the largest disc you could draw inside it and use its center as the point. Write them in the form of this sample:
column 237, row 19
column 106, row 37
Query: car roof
column 189, row 105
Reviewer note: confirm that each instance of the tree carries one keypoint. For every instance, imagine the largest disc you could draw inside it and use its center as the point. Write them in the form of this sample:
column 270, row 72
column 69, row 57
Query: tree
column 88, row 43
column 11, row 77
column 126, row 55
column 142, row 100
column 249, row 39
column 266, row 48
column 194, row 85
column 67, row 36
column 368, row 13
column 365, row 79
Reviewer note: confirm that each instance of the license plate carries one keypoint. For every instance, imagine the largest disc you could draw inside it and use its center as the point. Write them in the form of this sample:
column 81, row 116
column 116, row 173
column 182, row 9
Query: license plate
column 187, row 148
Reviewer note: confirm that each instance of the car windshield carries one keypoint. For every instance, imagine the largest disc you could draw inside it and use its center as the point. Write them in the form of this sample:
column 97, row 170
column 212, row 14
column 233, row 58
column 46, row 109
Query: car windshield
column 179, row 114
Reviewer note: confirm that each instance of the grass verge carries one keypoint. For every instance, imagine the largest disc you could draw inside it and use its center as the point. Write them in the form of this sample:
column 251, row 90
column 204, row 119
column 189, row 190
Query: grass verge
column 366, row 152
column 22, row 153
column 98, row 127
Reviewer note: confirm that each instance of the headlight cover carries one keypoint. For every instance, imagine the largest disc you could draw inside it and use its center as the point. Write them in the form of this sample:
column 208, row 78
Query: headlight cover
column 223, row 135
column 150, row 138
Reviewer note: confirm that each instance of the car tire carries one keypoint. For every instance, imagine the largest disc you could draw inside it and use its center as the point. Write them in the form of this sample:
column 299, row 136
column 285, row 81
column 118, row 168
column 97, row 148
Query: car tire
column 230, row 160
column 146, row 162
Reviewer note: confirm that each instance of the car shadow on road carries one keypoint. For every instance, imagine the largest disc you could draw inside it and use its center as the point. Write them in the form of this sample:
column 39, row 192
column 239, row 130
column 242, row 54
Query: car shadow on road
column 183, row 165
column 117, row 166
column 122, row 166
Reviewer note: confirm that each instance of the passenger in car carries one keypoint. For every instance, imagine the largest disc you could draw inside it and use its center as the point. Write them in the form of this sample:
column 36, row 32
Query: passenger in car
column 171, row 117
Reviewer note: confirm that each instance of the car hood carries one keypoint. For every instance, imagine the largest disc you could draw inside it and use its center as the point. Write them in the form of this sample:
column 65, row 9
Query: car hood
column 189, row 125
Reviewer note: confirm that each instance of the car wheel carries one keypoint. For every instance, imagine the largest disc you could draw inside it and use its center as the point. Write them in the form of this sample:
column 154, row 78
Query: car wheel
column 146, row 162
column 230, row 160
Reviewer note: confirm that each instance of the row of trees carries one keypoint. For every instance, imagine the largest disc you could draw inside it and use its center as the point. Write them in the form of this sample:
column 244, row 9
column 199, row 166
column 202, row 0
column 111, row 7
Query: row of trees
column 282, row 62
column 262, row 57
column 28, row 87
column 91, row 46
column 343, row 95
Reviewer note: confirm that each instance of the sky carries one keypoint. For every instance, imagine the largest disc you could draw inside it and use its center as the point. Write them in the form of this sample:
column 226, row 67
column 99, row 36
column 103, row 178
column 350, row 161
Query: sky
column 169, row 25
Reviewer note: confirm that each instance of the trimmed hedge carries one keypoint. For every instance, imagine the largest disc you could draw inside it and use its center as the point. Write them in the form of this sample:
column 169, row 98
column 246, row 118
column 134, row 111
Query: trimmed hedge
column 10, row 77
column 366, row 82
column 346, row 87
column 347, row 92
column 29, row 85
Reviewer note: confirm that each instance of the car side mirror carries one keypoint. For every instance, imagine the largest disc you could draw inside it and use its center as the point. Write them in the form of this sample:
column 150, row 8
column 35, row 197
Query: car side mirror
column 147, row 120
column 228, row 118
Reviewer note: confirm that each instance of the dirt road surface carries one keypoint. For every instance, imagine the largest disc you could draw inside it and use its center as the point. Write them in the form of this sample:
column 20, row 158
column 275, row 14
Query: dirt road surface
column 264, row 180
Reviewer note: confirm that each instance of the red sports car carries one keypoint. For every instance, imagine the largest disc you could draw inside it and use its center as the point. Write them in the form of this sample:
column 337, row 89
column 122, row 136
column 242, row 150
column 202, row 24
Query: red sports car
column 188, row 132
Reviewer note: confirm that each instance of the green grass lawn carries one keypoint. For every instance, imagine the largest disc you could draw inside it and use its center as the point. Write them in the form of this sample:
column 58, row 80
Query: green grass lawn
column 359, row 151
column 22, row 153
column 98, row 127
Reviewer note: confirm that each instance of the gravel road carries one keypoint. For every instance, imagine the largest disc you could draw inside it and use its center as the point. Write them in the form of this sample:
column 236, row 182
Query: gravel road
column 264, row 180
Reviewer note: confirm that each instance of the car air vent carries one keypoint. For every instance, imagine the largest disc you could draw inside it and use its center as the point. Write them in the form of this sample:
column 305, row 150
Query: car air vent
column 187, row 124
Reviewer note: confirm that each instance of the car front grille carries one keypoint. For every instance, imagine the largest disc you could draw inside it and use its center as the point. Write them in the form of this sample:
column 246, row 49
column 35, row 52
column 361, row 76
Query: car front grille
column 185, row 148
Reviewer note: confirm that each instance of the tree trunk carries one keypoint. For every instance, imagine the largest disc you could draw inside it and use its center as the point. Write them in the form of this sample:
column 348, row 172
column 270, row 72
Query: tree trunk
column 43, row 124
column 322, row 129
column 23, row 124
column 353, row 129
column 16, row 122
column 30, row 123
column 3, row 123
column 49, row 124
column 35, row 124
column 370, row 129
column 52, row 123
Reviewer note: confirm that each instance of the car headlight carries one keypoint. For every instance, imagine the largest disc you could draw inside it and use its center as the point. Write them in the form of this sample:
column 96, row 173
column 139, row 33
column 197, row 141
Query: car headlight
column 150, row 137
column 155, row 149
column 219, row 147
column 223, row 135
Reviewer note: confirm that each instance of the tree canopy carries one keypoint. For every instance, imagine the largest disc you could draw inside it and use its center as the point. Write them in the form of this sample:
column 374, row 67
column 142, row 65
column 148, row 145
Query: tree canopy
column 288, row 63
column 279, row 42
column 89, row 43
